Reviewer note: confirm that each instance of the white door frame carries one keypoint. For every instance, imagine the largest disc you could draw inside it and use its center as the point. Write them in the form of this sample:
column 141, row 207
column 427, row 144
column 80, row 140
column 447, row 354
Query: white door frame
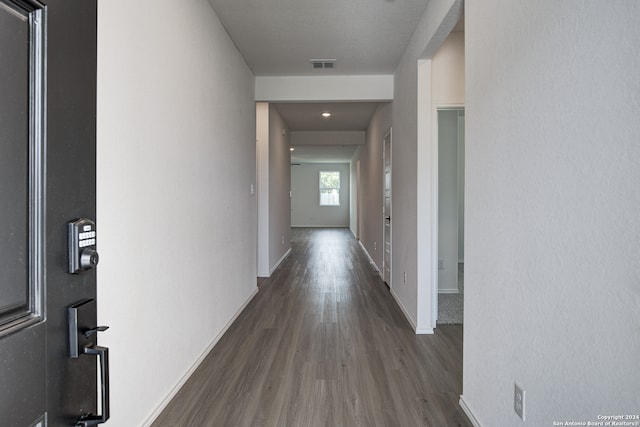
column 388, row 134
column 358, row 200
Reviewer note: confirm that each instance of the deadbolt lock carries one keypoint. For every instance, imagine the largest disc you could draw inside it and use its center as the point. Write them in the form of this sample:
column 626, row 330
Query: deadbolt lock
column 82, row 245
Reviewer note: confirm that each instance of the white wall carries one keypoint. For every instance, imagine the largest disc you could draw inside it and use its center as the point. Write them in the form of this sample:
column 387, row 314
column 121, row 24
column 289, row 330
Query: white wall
column 327, row 138
column 324, row 88
column 371, row 179
column 279, row 186
column 448, row 71
column 176, row 159
column 552, row 251
column 262, row 186
column 274, row 207
column 413, row 163
column 305, row 200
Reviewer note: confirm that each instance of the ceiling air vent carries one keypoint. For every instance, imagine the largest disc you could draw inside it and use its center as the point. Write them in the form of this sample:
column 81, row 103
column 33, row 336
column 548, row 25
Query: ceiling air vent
column 323, row 63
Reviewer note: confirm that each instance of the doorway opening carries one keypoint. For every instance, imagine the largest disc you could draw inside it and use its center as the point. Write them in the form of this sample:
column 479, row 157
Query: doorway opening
column 450, row 215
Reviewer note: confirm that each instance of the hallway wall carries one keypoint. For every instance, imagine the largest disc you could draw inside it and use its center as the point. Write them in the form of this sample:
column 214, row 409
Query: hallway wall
column 412, row 166
column 273, row 184
column 371, row 181
column 279, row 186
column 552, row 251
column 305, row 199
column 327, row 137
column 176, row 159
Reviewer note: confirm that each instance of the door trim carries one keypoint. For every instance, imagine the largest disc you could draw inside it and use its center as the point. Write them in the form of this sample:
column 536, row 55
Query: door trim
column 388, row 134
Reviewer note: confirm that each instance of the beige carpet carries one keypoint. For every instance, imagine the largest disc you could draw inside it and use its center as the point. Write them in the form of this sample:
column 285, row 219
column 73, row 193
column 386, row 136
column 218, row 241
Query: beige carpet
column 450, row 309
column 451, row 306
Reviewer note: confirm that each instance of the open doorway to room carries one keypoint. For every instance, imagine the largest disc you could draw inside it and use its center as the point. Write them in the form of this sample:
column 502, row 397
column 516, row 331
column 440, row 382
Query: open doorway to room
column 450, row 215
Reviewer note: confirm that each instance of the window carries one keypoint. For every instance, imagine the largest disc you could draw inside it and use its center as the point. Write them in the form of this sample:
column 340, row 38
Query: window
column 329, row 188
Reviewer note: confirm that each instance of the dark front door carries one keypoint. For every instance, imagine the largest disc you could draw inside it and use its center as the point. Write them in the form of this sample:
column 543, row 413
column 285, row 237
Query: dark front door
column 47, row 179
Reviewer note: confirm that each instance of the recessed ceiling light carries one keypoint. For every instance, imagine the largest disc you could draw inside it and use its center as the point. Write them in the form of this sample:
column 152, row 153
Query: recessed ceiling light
column 326, row 114
column 291, row 149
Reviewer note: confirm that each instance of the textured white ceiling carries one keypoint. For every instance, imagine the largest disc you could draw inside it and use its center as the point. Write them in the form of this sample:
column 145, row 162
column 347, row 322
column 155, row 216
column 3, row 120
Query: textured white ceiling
column 278, row 37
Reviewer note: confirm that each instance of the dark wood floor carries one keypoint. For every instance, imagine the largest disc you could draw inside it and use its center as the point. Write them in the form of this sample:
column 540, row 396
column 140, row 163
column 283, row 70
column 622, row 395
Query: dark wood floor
column 324, row 344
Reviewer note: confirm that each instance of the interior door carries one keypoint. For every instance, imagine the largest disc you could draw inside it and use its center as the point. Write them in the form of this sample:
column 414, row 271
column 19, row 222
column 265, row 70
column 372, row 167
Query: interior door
column 386, row 160
column 47, row 178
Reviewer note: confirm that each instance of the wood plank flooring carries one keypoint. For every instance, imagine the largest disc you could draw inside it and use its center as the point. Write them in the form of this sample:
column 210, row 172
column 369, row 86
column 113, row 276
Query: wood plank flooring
column 323, row 343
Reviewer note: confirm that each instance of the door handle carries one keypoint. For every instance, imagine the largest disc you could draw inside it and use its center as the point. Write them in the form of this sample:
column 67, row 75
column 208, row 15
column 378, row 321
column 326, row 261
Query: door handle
column 103, row 355
column 388, row 218
column 83, row 339
column 95, row 330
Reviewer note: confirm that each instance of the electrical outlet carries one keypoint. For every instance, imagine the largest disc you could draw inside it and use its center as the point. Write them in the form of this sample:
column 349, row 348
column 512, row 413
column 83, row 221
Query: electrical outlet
column 518, row 401
column 375, row 245
column 440, row 264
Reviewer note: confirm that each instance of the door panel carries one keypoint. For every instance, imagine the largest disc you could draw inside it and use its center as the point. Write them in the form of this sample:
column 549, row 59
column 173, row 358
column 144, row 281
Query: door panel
column 22, row 328
column 47, row 178
column 14, row 163
column 23, row 366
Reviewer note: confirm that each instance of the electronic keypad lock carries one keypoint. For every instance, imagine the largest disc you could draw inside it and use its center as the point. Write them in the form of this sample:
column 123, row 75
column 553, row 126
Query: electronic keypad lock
column 82, row 245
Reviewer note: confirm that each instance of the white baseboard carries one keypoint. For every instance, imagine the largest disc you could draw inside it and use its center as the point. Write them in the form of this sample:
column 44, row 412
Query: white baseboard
column 448, row 291
column 404, row 311
column 370, row 259
column 468, row 412
column 277, row 264
column 419, row 331
column 319, row 226
column 196, row 364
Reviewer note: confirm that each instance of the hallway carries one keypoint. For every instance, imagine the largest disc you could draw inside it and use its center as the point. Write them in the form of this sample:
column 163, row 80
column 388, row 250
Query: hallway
column 324, row 344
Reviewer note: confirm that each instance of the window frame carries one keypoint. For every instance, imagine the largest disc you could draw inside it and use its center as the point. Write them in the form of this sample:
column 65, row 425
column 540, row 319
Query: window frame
column 321, row 188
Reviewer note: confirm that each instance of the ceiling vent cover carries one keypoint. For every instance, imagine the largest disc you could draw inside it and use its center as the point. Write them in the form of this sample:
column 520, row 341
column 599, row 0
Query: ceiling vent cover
column 323, row 63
